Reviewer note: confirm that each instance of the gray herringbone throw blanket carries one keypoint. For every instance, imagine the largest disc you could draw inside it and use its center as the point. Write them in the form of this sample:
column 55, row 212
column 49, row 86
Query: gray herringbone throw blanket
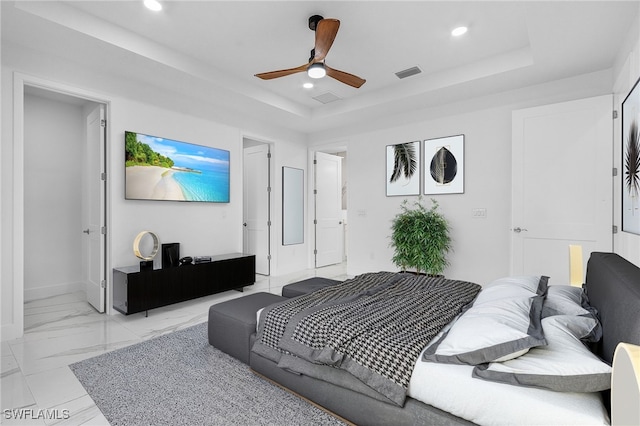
column 373, row 326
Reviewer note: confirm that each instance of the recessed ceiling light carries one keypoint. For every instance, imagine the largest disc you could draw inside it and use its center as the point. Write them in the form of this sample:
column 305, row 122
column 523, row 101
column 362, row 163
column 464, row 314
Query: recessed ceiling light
column 457, row 32
column 153, row 5
column 308, row 85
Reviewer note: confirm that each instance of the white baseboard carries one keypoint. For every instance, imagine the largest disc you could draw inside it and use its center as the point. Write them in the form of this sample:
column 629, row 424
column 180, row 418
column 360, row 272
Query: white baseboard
column 52, row 290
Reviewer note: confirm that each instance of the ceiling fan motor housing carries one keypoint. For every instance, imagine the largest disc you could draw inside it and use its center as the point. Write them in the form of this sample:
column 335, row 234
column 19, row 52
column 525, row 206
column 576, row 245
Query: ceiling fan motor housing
column 313, row 21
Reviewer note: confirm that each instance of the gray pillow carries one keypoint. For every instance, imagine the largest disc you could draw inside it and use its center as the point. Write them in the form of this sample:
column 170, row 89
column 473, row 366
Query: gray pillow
column 569, row 300
column 565, row 364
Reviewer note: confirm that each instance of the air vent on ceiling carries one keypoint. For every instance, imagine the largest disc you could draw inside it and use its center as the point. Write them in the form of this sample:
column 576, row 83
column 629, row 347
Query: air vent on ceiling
column 327, row 97
column 408, row 72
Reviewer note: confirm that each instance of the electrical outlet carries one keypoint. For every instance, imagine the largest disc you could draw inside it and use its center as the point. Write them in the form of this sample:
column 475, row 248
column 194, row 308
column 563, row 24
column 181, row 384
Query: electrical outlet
column 479, row 213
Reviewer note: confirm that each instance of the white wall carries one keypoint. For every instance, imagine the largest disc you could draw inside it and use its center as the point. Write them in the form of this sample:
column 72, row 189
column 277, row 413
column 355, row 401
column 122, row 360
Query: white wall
column 289, row 258
column 481, row 247
column 627, row 72
column 53, row 147
column 201, row 228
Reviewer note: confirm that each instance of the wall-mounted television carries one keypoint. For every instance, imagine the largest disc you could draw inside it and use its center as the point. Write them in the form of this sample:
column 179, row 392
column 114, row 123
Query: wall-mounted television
column 165, row 169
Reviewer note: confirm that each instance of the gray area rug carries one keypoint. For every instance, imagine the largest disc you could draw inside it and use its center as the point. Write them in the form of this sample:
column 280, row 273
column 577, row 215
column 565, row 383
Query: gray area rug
column 179, row 379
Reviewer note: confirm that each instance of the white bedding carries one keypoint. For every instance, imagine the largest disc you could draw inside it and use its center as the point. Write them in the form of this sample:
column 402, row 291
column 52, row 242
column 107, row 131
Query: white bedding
column 451, row 388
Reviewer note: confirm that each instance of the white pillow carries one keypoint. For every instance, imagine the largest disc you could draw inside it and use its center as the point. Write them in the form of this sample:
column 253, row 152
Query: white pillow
column 564, row 365
column 491, row 330
column 535, row 284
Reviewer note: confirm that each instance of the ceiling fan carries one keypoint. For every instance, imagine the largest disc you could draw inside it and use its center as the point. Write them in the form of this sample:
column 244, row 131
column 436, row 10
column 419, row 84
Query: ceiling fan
column 326, row 30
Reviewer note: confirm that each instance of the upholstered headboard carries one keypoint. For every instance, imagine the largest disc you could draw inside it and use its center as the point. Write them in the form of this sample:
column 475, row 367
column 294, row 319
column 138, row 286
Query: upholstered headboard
column 613, row 287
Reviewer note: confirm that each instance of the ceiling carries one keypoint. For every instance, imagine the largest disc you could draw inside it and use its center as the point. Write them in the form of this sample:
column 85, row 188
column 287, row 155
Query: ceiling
column 210, row 50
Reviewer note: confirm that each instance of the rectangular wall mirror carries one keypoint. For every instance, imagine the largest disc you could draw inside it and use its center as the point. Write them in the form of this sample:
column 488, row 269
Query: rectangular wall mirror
column 292, row 206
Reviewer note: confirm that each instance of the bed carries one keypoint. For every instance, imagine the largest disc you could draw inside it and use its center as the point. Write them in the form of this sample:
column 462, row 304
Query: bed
column 392, row 366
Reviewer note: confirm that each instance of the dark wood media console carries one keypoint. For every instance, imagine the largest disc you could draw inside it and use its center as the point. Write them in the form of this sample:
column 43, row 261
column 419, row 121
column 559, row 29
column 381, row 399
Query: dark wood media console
column 138, row 291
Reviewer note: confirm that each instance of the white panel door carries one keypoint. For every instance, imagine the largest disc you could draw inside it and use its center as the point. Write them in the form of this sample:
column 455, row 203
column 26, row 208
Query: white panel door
column 329, row 232
column 561, row 185
column 95, row 198
column 256, row 206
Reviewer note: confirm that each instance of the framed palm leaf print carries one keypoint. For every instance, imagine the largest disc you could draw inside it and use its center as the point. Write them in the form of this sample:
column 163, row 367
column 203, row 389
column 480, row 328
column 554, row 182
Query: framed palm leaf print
column 631, row 162
column 403, row 169
column 444, row 165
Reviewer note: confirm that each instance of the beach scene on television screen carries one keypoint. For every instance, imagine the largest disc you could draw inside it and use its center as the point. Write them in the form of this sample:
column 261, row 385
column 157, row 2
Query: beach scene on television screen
column 165, row 169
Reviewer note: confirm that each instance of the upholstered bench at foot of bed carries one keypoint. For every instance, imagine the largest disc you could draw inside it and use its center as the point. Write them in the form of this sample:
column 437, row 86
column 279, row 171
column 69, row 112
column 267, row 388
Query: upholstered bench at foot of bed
column 232, row 323
column 307, row 286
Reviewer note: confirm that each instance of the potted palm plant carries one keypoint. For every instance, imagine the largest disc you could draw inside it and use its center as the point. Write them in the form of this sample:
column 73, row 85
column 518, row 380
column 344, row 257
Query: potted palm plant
column 420, row 238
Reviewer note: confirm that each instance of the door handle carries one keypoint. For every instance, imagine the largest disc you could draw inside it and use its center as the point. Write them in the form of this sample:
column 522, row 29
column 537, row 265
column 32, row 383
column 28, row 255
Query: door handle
column 86, row 231
column 519, row 230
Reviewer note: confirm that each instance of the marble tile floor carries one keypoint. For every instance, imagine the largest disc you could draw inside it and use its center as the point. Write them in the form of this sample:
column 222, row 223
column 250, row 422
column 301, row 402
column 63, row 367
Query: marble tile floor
column 36, row 382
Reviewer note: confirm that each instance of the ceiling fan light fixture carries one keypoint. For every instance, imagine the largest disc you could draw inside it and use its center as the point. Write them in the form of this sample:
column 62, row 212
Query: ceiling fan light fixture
column 153, row 5
column 316, row 70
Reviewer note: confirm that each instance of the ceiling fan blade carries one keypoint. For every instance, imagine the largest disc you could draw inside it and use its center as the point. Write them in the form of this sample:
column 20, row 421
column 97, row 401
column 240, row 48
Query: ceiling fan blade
column 326, row 31
column 345, row 77
column 281, row 73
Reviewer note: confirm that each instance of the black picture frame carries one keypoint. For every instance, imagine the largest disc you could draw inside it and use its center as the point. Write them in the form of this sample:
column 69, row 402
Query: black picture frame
column 630, row 144
column 403, row 169
column 444, row 165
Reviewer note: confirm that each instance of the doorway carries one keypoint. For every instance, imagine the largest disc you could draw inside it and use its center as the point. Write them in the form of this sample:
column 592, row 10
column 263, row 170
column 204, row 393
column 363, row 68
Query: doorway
column 65, row 244
column 256, row 234
column 562, row 185
column 330, row 207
